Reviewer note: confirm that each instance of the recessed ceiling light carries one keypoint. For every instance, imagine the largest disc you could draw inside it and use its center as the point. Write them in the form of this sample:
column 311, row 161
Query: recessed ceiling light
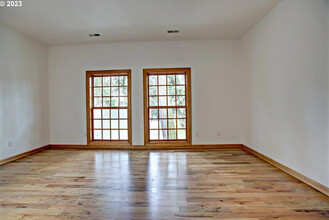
column 94, row 35
column 173, row 31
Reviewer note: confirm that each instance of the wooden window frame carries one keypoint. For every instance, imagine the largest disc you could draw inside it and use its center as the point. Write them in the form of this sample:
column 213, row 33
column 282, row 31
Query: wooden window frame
column 187, row 72
column 124, row 72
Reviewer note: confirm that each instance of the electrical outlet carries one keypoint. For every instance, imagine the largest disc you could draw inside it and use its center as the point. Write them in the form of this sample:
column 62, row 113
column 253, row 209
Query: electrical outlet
column 10, row 143
column 196, row 133
column 218, row 133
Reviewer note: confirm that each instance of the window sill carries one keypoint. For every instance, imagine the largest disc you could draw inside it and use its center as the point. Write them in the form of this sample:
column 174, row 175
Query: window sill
column 110, row 143
column 168, row 143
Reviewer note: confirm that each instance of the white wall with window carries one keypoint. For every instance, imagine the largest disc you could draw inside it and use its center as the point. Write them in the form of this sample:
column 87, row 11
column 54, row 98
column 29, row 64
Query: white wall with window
column 217, row 82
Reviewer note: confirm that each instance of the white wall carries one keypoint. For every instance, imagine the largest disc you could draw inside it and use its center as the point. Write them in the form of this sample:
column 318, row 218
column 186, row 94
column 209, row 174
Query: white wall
column 216, row 80
column 328, row 73
column 286, row 58
column 23, row 93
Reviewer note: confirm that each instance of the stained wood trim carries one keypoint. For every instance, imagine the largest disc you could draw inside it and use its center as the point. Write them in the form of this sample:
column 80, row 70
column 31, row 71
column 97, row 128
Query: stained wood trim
column 148, row 147
column 27, row 153
column 88, row 108
column 188, row 141
column 88, row 105
column 321, row 188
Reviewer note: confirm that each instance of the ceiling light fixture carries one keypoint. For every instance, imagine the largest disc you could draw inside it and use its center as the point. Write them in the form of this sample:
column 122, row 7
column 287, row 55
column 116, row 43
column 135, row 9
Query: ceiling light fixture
column 94, row 35
column 173, row 31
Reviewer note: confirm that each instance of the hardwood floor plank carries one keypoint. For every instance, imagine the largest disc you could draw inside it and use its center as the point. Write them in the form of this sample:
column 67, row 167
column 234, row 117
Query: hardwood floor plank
column 173, row 184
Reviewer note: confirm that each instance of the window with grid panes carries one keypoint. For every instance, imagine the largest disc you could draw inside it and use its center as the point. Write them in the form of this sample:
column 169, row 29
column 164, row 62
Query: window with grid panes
column 109, row 105
column 167, row 103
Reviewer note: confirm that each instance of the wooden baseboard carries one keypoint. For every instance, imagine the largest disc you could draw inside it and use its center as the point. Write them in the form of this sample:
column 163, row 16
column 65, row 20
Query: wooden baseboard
column 27, row 153
column 146, row 147
column 321, row 188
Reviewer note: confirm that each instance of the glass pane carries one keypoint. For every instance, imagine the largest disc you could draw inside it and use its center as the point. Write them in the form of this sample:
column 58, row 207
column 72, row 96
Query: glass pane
column 114, row 134
column 172, row 134
column 163, row 113
column 171, row 100
column 123, row 113
column 106, row 91
column 114, row 113
column 162, row 90
column 171, row 79
column 114, row 124
column 97, row 113
column 123, row 91
column 154, row 124
column 181, row 123
column 106, row 124
column 153, row 80
column 106, row 134
column 181, row 134
column 123, row 135
column 154, row 135
column 123, row 124
column 106, row 102
column 97, row 134
column 97, row 124
column 181, row 100
column 172, row 123
column 153, row 113
column 123, row 81
column 181, row 113
column 163, row 134
column 114, row 91
column 106, row 81
column 123, row 101
column 180, row 79
column 180, row 90
column 171, row 90
column 171, row 113
column 162, row 101
column 97, row 81
column 163, row 123
column 97, row 91
column 114, row 80
column 153, row 90
column 106, row 113
column 97, row 102
column 114, row 102
column 153, row 101
column 162, row 80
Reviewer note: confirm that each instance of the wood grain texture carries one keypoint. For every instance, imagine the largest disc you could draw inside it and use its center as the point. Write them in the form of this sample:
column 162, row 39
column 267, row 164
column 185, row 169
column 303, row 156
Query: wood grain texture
column 173, row 184
column 19, row 156
column 301, row 177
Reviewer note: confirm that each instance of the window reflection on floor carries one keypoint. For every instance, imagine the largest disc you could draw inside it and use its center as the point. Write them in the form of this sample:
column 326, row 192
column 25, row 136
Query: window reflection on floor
column 164, row 178
column 113, row 179
column 147, row 178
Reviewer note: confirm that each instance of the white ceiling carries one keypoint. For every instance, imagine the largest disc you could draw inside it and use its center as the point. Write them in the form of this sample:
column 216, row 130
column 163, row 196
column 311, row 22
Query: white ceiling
column 65, row 22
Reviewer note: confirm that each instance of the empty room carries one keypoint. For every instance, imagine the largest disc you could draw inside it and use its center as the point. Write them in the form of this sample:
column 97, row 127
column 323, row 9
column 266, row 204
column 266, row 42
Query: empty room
column 164, row 109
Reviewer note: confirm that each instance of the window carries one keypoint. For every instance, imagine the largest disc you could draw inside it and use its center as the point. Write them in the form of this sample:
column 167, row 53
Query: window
column 108, row 106
column 167, row 106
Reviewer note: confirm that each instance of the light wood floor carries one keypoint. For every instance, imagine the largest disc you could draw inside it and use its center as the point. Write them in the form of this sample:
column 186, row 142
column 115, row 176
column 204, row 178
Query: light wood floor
column 100, row 184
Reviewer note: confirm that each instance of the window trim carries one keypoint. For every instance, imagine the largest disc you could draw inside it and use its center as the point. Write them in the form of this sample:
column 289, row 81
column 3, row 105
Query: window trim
column 88, row 108
column 188, row 140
